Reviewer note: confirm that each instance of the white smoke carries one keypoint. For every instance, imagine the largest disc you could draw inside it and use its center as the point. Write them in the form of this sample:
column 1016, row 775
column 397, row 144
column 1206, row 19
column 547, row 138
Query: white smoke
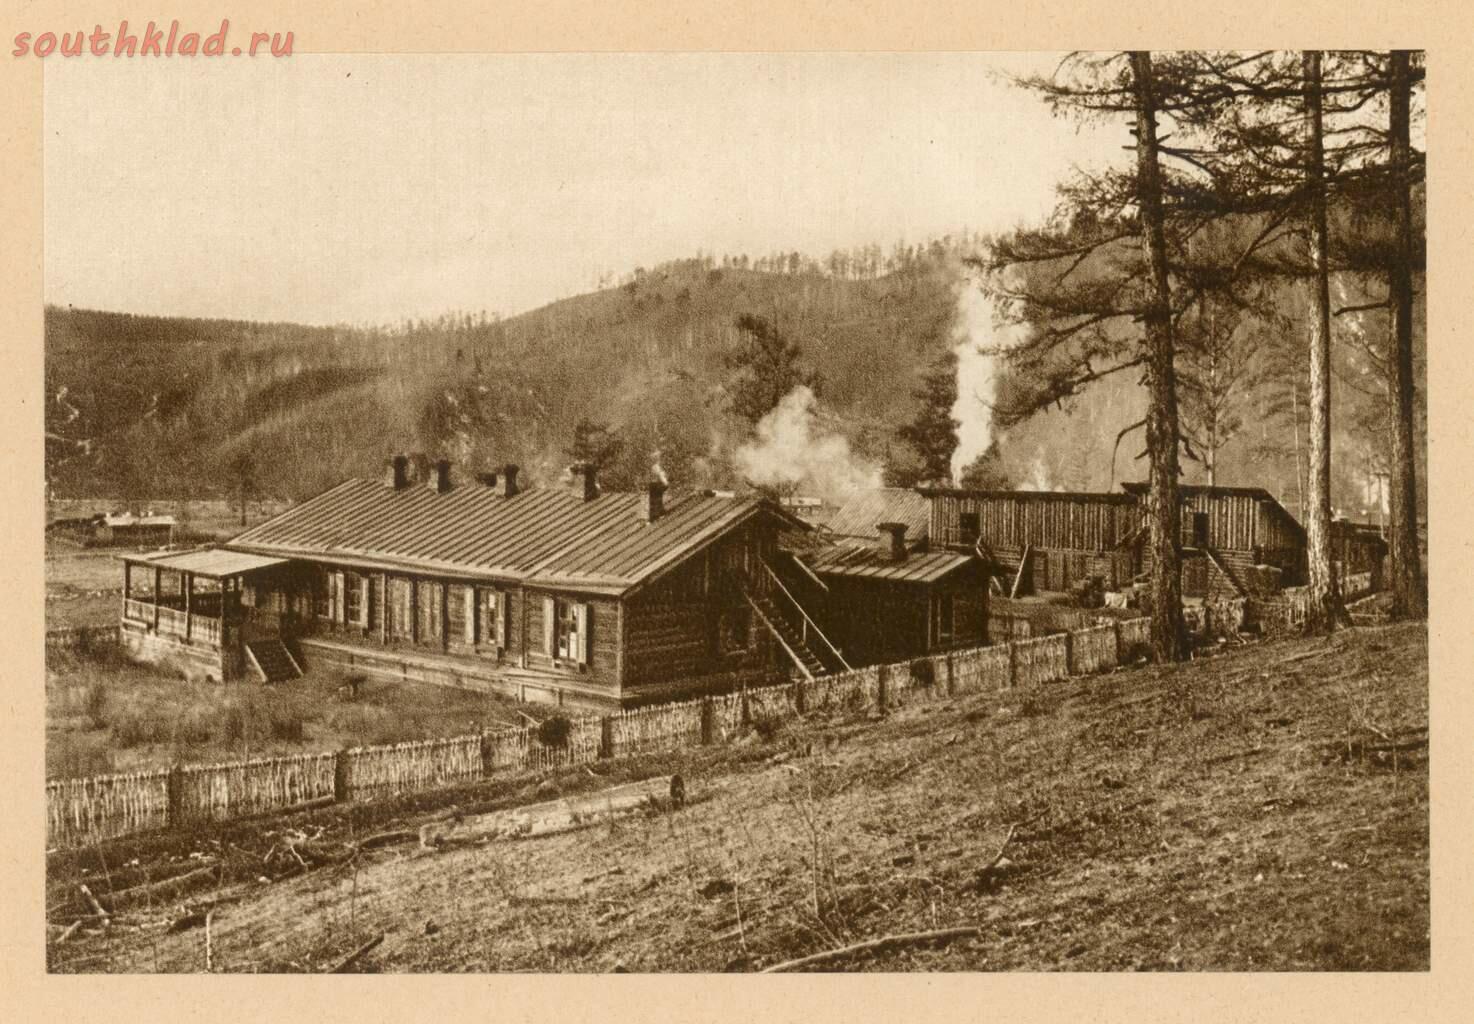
column 979, row 338
column 1038, row 477
column 793, row 449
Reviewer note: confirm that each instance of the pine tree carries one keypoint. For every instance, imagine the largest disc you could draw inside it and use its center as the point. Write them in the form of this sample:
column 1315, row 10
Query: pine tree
column 932, row 434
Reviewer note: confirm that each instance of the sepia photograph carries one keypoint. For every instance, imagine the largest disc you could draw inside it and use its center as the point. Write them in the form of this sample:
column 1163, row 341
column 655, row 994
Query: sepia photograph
column 755, row 512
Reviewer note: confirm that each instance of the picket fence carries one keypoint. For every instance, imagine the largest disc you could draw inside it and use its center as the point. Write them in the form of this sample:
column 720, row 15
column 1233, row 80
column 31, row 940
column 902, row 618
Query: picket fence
column 81, row 812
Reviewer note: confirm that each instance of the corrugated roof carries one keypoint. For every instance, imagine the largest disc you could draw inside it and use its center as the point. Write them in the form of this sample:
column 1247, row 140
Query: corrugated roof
column 548, row 537
column 215, row 563
column 872, row 563
column 858, row 516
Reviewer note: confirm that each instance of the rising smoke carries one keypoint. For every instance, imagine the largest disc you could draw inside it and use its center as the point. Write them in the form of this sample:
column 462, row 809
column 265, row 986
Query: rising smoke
column 795, row 451
column 979, row 339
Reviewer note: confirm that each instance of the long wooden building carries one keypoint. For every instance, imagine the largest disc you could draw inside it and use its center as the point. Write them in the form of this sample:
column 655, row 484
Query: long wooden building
column 1235, row 540
column 562, row 594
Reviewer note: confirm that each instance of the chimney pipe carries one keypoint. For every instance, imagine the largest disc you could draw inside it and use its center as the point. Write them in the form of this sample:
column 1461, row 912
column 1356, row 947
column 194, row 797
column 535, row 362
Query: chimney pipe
column 653, row 507
column 508, row 481
column 399, row 472
column 441, row 483
column 897, row 532
column 585, row 480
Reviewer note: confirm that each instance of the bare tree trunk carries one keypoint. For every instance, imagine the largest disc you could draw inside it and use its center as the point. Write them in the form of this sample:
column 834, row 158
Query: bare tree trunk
column 1169, row 641
column 1322, row 600
column 1408, row 597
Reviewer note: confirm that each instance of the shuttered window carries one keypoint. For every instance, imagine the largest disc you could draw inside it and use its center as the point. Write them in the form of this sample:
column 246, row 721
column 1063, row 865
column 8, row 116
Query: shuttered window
column 353, row 603
column 322, row 598
column 567, row 626
column 494, row 612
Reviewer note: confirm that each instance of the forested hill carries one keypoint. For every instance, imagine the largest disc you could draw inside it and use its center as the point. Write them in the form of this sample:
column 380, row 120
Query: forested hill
column 147, row 407
column 143, row 408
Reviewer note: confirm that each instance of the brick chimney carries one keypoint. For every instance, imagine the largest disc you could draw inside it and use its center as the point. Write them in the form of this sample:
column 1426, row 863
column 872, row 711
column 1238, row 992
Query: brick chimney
column 440, row 483
column 399, row 472
column 585, row 480
column 507, row 482
column 652, row 507
column 897, row 539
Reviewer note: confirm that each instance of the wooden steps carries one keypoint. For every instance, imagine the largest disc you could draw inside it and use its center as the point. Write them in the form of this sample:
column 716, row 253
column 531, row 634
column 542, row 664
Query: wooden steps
column 789, row 637
column 271, row 661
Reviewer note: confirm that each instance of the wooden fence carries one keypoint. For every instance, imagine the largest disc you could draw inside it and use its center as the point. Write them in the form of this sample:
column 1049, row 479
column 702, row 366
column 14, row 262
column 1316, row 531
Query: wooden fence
column 86, row 811
column 81, row 638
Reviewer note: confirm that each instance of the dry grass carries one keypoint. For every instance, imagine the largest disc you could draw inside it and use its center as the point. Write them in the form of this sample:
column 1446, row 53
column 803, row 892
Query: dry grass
column 105, row 714
column 1258, row 810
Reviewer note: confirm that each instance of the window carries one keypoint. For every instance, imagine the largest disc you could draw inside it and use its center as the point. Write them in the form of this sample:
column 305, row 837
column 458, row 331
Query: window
column 353, row 603
column 493, row 618
column 428, row 599
column 566, row 630
column 322, row 601
column 968, row 525
column 485, row 614
column 400, row 623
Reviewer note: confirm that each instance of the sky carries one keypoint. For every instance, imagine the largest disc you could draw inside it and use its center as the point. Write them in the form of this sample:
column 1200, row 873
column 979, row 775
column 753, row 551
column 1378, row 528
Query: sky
column 369, row 188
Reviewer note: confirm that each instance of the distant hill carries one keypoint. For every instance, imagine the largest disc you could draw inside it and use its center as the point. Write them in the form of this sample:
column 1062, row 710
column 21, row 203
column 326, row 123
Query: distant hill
column 151, row 407
column 142, row 408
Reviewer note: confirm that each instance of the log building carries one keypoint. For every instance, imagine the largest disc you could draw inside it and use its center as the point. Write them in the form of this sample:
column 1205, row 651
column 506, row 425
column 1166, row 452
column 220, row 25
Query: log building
column 1236, row 540
column 565, row 594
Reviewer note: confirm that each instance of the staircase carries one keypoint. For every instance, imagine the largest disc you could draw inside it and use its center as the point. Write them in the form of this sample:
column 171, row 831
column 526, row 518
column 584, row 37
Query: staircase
column 1228, row 572
column 795, row 630
column 271, row 660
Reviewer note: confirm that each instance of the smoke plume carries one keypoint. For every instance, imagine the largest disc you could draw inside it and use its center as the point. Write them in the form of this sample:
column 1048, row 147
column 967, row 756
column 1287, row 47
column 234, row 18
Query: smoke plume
column 795, row 451
column 979, row 339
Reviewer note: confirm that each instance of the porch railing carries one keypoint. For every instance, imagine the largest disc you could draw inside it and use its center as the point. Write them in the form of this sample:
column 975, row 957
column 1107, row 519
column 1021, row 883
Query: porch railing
column 200, row 627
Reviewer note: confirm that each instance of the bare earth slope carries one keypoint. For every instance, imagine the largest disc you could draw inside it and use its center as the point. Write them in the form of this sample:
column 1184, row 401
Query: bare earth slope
column 1262, row 809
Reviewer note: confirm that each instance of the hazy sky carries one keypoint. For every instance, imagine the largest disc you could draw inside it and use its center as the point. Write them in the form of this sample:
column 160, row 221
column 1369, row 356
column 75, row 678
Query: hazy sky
column 369, row 188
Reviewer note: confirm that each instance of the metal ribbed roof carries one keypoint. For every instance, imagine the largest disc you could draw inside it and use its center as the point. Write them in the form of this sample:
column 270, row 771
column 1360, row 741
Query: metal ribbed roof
column 549, row 537
column 214, row 563
column 859, row 516
column 872, row 563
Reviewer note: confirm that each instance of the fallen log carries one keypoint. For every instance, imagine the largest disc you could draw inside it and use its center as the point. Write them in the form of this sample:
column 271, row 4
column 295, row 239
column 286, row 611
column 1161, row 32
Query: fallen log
column 165, row 890
column 70, row 930
column 357, row 954
column 873, row 945
column 386, row 839
column 551, row 817
column 92, row 902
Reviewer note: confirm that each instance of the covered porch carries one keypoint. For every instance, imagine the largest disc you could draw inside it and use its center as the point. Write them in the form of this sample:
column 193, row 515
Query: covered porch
column 191, row 596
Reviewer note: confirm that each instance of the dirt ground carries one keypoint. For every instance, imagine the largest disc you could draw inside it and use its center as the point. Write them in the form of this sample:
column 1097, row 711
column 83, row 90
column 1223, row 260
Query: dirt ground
column 1265, row 808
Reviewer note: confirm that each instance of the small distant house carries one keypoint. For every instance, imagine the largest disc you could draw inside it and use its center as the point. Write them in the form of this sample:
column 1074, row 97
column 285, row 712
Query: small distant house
column 1358, row 548
column 127, row 530
column 562, row 594
column 118, row 529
